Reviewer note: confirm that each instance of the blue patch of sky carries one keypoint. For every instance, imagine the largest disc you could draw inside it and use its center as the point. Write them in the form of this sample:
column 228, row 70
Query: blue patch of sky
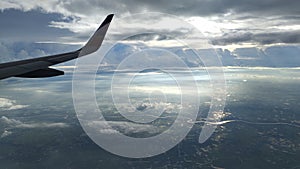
column 32, row 25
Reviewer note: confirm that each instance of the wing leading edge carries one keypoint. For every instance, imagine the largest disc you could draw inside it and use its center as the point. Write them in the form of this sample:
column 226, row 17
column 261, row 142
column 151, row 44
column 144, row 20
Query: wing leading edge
column 39, row 67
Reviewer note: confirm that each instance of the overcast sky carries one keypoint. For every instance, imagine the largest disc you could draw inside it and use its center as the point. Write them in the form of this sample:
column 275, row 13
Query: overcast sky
column 226, row 23
column 230, row 22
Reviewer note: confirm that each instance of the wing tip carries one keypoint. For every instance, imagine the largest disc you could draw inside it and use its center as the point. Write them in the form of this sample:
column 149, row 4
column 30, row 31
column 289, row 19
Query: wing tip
column 107, row 20
column 96, row 40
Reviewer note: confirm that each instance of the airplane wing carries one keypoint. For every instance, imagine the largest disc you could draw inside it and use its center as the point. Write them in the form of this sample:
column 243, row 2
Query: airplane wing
column 39, row 67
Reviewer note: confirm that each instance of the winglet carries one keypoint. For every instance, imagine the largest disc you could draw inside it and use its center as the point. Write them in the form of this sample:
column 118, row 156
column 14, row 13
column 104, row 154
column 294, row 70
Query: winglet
column 95, row 41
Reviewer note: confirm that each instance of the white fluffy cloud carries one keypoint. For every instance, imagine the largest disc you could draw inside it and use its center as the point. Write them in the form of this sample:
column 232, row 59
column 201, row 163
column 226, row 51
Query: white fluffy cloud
column 7, row 104
column 10, row 124
column 6, row 133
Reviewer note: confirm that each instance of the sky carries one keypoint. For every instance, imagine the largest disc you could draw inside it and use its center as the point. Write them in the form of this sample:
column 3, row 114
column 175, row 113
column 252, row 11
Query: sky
column 244, row 30
column 247, row 33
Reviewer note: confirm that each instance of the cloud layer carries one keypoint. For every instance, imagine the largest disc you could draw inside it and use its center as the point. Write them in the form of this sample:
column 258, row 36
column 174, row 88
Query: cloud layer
column 270, row 28
column 245, row 21
column 190, row 8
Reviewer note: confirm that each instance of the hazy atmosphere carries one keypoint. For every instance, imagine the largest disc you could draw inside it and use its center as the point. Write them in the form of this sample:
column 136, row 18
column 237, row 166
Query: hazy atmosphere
column 237, row 63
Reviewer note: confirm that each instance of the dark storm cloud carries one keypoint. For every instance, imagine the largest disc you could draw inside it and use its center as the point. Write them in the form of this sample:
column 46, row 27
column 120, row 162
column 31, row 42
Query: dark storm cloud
column 281, row 37
column 248, row 12
column 147, row 37
column 211, row 7
column 69, row 21
column 232, row 38
column 290, row 37
column 191, row 7
column 177, row 7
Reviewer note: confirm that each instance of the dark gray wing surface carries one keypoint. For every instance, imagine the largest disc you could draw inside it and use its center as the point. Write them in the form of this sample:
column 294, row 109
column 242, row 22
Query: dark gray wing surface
column 39, row 67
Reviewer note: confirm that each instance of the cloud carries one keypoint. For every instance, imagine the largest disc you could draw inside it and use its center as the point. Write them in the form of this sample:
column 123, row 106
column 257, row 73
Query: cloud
column 207, row 7
column 234, row 22
column 270, row 56
column 191, row 8
column 287, row 37
column 12, row 123
column 273, row 56
column 7, row 104
column 6, row 133
column 113, row 127
column 11, row 51
column 292, row 37
column 77, row 11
